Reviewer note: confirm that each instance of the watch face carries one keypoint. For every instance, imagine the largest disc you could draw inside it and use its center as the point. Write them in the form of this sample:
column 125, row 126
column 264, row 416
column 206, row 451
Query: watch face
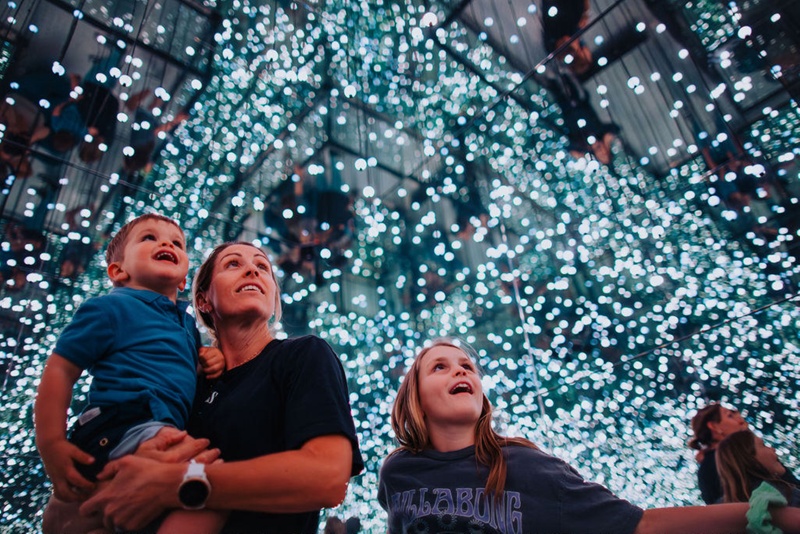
column 193, row 493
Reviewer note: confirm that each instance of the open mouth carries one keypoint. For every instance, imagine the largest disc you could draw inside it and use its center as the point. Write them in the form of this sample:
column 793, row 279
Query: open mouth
column 166, row 255
column 250, row 287
column 461, row 387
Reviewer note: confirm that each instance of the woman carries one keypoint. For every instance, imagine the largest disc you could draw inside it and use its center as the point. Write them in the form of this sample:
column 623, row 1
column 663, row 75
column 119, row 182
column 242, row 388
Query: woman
column 279, row 415
column 744, row 462
column 453, row 472
column 710, row 425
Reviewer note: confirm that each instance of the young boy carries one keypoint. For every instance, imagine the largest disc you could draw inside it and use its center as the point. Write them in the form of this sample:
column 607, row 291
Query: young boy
column 142, row 350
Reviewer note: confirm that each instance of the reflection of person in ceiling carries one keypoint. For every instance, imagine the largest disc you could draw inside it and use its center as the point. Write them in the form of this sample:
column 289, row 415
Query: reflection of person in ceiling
column 26, row 113
column 322, row 216
column 24, row 242
column 748, row 187
column 586, row 132
column 91, row 117
column 146, row 128
column 24, row 126
column 561, row 19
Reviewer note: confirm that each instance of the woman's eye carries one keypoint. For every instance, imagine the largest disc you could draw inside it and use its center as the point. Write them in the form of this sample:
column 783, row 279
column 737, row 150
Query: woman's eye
column 232, row 263
column 264, row 267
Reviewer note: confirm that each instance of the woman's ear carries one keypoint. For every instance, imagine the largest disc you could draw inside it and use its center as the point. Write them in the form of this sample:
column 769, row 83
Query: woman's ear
column 715, row 432
column 202, row 304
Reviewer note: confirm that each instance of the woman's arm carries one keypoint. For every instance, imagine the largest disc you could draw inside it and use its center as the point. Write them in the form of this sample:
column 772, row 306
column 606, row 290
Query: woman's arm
column 313, row 477
column 716, row 518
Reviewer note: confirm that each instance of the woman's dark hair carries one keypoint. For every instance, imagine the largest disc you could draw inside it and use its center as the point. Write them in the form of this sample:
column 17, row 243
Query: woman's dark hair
column 703, row 437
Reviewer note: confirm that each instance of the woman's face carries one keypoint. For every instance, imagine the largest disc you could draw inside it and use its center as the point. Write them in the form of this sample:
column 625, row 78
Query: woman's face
column 730, row 421
column 450, row 390
column 768, row 458
column 242, row 285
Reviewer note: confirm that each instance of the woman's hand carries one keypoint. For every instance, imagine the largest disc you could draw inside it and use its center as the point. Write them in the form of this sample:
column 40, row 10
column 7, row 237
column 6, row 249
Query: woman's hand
column 171, row 445
column 137, row 492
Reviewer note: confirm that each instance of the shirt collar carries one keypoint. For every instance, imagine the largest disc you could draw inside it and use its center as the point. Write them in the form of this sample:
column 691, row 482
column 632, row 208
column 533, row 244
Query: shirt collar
column 145, row 295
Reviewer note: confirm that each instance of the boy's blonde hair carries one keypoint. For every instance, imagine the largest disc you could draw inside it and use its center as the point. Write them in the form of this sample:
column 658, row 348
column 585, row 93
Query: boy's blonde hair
column 116, row 247
column 739, row 470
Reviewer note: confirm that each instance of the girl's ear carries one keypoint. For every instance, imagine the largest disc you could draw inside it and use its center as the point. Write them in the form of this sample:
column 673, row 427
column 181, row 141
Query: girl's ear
column 116, row 273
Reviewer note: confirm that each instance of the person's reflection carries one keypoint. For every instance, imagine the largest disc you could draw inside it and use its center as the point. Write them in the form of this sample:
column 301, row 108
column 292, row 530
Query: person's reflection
column 561, row 19
column 147, row 108
column 586, row 132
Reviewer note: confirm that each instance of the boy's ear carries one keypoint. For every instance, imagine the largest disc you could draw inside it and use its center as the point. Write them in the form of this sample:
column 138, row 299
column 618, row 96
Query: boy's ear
column 182, row 285
column 116, row 273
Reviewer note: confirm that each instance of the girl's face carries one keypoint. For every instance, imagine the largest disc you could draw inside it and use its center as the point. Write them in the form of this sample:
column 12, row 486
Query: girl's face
column 730, row 421
column 450, row 390
column 242, row 285
column 768, row 458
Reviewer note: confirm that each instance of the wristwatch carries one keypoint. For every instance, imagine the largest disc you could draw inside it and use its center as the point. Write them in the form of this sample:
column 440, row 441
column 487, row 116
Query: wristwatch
column 195, row 488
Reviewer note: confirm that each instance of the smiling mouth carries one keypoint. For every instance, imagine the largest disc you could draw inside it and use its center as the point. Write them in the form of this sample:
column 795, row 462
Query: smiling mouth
column 461, row 387
column 166, row 255
column 249, row 287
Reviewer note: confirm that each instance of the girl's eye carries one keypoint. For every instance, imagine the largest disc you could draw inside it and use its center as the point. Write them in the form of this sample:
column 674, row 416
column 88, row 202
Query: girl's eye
column 438, row 366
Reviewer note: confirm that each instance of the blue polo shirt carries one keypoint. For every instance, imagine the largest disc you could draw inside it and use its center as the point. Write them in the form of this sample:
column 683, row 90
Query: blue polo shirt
column 137, row 345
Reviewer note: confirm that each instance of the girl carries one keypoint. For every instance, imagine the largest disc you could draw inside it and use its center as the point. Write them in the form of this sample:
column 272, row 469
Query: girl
column 744, row 462
column 454, row 473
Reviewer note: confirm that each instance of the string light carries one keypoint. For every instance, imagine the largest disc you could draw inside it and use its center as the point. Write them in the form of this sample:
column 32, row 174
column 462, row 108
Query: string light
column 642, row 296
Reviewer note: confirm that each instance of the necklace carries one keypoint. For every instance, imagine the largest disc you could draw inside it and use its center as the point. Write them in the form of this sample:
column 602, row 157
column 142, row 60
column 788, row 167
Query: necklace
column 250, row 358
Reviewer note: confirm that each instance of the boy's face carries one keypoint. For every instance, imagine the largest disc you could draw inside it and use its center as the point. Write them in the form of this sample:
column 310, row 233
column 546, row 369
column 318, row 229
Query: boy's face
column 154, row 258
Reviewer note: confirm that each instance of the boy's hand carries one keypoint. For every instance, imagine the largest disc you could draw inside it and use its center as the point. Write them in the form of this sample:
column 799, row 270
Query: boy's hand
column 68, row 484
column 212, row 361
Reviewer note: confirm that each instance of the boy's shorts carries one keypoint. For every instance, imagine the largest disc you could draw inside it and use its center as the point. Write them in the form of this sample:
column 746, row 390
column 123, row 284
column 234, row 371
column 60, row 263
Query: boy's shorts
column 108, row 432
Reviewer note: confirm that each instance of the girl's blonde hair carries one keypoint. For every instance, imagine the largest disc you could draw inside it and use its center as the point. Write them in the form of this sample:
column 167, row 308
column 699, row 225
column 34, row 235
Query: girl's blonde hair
column 410, row 427
column 739, row 470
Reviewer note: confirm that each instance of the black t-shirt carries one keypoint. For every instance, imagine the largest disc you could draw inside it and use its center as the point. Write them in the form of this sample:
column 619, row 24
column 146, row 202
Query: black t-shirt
column 295, row 390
